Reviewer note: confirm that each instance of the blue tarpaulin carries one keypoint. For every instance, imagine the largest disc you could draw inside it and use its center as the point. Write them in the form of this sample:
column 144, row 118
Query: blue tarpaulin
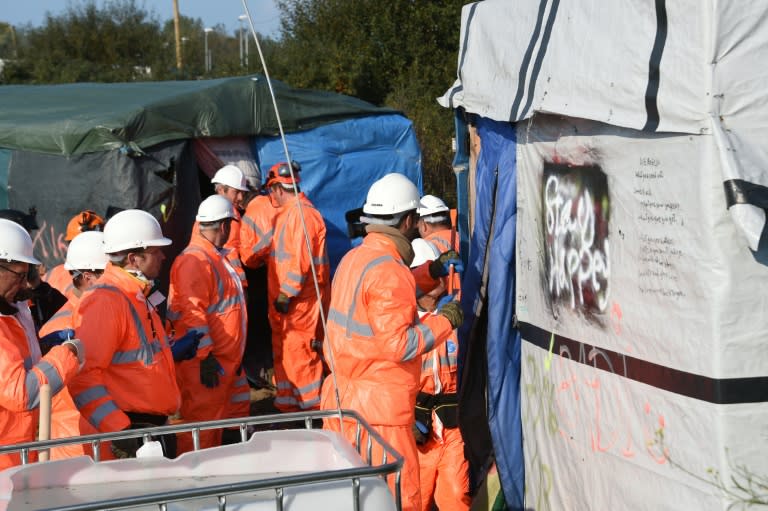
column 340, row 161
column 492, row 260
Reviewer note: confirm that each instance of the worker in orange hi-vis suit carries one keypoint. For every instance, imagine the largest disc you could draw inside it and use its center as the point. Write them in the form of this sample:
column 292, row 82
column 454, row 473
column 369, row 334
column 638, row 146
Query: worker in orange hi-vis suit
column 294, row 310
column 58, row 277
column 229, row 182
column 206, row 297
column 85, row 263
column 256, row 232
column 23, row 367
column 435, row 227
column 443, row 469
column 129, row 378
column 374, row 333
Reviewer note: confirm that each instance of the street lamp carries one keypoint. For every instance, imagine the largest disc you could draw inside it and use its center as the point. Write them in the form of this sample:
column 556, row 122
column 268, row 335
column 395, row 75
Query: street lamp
column 243, row 41
column 208, row 59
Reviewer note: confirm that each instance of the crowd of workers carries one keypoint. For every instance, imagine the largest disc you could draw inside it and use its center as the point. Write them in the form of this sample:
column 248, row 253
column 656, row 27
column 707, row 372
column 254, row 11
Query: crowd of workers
column 91, row 330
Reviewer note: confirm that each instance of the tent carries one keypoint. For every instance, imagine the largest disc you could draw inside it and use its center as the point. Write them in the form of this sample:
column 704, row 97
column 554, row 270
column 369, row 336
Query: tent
column 153, row 145
column 616, row 271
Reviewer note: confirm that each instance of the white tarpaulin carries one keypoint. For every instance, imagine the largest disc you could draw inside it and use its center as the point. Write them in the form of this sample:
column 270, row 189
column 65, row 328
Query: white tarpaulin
column 683, row 66
column 636, row 295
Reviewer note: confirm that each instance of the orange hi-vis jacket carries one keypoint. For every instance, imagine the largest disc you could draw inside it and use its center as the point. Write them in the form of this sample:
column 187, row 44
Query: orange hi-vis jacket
column 23, row 374
column 66, row 419
column 438, row 368
column 205, row 296
column 442, row 242
column 377, row 342
column 59, row 278
column 256, row 231
column 376, row 336
column 289, row 267
column 298, row 368
column 128, row 365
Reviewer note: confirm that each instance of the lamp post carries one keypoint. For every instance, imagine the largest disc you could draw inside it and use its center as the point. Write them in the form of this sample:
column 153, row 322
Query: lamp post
column 243, row 42
column 208, row 60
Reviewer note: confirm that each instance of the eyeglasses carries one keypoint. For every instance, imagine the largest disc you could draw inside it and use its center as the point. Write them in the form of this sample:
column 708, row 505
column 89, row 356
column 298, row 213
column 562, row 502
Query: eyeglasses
column 19, row 274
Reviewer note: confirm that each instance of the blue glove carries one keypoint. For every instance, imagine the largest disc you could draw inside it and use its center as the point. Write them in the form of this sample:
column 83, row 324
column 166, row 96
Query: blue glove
column 57, row 337
column 441, row 266
column 185, row 347
column 445, row 299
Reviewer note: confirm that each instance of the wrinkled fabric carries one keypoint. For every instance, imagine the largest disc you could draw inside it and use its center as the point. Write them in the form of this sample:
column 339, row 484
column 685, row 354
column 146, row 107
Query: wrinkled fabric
column 128, row 363
column 206, row 296
column 377, row 341
column 66, row 419
column 256, row 231
column 23, row 375
column 59, row 278
column 298, row 368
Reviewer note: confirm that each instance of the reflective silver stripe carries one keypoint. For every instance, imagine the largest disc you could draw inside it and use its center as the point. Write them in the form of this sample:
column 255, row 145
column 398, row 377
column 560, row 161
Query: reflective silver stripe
column 101, row 412
column 222, row 306
column 147, row 350
column 28, row 363
column 308, row 388
column 321, row 260
column 32, row 386
column 61, row 314
column 205, row 341
column 429, row 338
column 53, row 376
column 411, row 345
column 285, row 385
column 241, row 381
column 440, row 241
column 352, row 326
column 426, row 363
column 353, row 305
column 217, row 277
column 172, row 315
column 295, row 277
column 286, row 400
column 264, row 241
column 235, row 262
column 289, row 290
column 89, row 395
column 310, row 404
column 241, row 397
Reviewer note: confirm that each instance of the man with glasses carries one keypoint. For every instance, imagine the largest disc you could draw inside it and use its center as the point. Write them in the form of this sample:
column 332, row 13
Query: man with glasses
column 23, row 367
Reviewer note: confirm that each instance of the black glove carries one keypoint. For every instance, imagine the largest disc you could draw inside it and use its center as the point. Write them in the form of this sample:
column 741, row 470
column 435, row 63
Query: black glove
column 185, row 347
column 441, row 266
column 452, row 311
column 420, row 433
column 282, row 303
column 127, row 447
column 210, row 369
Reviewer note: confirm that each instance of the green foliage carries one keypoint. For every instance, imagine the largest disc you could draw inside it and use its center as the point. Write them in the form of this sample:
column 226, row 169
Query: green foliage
column 400, row 54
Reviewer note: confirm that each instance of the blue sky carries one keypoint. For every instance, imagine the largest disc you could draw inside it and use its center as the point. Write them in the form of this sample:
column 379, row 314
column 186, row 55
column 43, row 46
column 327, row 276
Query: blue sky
column 264, row 12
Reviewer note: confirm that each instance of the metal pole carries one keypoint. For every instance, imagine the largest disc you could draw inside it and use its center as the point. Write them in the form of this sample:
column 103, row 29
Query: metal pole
column 241, row 42
column 207, row 63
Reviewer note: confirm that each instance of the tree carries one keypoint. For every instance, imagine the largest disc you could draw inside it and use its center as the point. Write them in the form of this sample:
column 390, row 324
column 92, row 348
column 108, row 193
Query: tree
column 400, row 54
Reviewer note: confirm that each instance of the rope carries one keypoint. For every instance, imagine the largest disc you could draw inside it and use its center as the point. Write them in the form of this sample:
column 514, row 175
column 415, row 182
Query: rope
column 301, row 212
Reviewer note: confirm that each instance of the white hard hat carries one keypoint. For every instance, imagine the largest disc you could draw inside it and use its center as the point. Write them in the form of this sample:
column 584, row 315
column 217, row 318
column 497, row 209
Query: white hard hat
column 86, row 252
column 213, row 208
column 390, row 195
column 132, row 228
column 431, row 205
column 423, row 251
column 231, row 176
column 15, row 243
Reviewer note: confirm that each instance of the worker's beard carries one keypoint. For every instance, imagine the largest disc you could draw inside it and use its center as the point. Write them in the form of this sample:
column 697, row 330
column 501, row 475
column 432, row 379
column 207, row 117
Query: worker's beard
column 412, row 233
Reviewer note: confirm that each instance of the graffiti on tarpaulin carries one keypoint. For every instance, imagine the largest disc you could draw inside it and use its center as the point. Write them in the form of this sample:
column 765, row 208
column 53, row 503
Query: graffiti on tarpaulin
column 576, row 209
column 48, row 244
column 584, row 404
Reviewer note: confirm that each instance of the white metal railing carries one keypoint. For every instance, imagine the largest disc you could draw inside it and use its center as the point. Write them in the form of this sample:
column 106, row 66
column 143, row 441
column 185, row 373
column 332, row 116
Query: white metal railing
column 390, row 463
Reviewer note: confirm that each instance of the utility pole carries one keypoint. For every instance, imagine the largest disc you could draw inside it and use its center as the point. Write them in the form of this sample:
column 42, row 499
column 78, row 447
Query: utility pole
column 177, row 33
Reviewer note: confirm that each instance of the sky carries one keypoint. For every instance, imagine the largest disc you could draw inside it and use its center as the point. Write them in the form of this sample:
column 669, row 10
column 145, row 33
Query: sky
column 212, row 12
